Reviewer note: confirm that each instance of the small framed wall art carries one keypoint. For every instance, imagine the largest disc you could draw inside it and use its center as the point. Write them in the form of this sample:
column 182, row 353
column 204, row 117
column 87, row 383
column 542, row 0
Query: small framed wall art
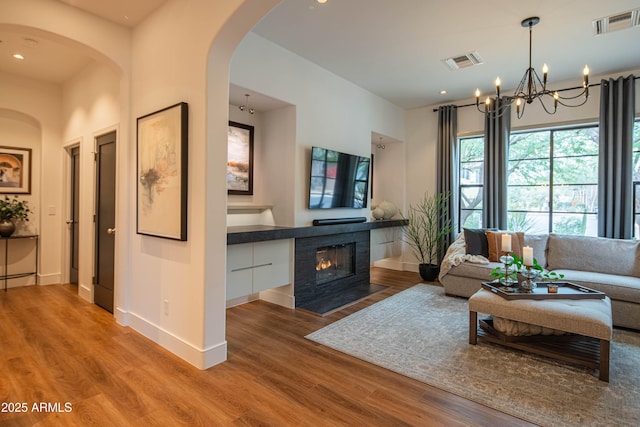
column 162, row 152
column 240, row 159
column 15, row 170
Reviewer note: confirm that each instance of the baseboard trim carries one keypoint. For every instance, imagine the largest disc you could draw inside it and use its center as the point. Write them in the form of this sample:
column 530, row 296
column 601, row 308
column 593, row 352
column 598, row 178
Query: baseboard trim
column 86, row 292
column 390, row 263
column 49, row 279
column 122, row 317
column 241, row 300
column 200, row 358
column 275, row 296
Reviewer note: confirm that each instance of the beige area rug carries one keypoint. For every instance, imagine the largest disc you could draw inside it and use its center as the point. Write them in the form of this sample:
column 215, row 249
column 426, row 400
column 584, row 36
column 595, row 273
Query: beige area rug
column 423, row 334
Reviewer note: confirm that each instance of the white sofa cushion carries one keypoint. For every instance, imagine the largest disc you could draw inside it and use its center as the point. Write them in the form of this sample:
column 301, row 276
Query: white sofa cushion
column 625, row 288
column 612, row 256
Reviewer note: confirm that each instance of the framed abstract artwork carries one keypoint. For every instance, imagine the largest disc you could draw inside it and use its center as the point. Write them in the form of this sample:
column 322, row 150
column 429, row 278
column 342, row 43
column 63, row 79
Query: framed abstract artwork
column 240, row 159
column 15, row 170
column 162, row 157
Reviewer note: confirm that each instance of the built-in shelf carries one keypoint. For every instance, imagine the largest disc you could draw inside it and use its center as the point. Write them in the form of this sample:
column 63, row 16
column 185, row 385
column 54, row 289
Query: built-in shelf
column 246, row 208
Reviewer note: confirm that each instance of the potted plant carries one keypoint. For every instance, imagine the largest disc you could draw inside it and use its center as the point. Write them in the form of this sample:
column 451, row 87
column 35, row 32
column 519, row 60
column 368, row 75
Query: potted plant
column 426, row 231
column 12, row 210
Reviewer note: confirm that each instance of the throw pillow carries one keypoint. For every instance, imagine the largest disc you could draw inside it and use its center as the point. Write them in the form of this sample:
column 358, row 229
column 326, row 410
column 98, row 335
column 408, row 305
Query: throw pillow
column 476, row 241
column 494, row 240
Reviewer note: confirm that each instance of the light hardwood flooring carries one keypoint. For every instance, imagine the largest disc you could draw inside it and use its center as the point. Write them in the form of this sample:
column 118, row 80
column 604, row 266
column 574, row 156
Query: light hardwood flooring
column 57, row 349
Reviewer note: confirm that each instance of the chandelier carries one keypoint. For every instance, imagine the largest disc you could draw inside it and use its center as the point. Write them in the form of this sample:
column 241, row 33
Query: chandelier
column 531, row 87
column 245, row 106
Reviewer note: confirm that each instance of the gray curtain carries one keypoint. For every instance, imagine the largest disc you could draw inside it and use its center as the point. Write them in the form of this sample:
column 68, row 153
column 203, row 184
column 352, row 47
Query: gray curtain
column 496, row 155
column 615, row 186
column 447, row 174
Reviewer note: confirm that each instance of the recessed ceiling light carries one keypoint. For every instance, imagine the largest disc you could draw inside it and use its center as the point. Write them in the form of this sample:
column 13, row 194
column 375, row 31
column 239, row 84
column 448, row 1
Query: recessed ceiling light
column 321, row 1
column 443, row 92
column 18, row 56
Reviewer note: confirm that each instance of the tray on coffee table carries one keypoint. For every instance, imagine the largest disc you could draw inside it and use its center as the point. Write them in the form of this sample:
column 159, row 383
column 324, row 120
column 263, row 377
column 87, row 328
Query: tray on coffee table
column 566, row 290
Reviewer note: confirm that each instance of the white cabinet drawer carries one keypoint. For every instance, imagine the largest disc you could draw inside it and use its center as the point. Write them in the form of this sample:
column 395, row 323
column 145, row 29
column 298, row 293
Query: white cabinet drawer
column 255, row 267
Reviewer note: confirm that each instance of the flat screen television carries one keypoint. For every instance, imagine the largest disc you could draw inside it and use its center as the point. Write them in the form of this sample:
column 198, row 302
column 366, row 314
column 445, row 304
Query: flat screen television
column 338, row 180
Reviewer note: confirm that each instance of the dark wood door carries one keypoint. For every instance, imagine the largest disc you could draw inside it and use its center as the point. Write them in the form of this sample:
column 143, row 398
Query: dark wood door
column 105, row 220
column 74, row 226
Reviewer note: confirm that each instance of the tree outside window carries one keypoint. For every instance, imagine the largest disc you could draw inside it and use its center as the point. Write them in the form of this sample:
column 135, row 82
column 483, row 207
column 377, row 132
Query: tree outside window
column 553, row 181
column 471, row 170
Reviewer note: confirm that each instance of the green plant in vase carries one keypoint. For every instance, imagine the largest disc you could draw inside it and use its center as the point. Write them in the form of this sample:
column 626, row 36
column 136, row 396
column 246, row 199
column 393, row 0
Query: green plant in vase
column 426, row 230
column 12, row 211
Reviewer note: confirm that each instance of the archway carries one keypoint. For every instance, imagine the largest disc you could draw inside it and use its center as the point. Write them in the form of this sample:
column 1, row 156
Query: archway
column 219, row 59
column 60, row 124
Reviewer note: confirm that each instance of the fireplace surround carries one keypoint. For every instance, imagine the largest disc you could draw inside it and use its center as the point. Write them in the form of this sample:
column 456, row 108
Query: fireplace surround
column 322, row 291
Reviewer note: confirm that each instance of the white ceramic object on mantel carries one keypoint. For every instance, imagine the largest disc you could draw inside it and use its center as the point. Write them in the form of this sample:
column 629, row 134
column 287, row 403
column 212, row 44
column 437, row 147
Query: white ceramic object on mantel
column 388, row 208
column 377, row 213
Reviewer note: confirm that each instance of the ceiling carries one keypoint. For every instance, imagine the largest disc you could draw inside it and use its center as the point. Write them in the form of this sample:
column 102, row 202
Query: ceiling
column 394, row 49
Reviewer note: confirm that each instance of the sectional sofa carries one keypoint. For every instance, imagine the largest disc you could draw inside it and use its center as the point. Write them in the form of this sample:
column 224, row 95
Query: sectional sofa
column 608, row 265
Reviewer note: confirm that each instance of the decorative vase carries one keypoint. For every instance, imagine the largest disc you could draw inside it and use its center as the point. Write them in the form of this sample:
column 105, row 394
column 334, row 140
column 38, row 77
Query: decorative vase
column 7, row 227
column 429, row 272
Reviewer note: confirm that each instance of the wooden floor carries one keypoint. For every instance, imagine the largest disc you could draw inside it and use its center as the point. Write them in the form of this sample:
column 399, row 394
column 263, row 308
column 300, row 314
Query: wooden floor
column 57, row 349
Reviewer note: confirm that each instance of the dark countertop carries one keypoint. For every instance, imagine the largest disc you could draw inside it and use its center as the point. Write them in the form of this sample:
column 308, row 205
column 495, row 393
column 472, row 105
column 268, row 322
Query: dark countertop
column 261, row 233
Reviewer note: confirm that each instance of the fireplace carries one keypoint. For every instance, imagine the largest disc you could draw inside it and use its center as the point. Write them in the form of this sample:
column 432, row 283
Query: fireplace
column 332, row 270
column 334, row 262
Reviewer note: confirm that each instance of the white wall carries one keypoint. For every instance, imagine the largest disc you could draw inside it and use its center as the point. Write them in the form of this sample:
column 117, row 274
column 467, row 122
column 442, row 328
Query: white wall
column 274, row 145
column 39, row 104
column 90, row 108
column 21, row 131
column 330, row 112
column 389, row 176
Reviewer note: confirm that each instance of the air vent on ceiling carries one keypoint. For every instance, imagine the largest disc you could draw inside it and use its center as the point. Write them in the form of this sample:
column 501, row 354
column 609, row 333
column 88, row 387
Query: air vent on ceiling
column 617, row 22
column 463, row 61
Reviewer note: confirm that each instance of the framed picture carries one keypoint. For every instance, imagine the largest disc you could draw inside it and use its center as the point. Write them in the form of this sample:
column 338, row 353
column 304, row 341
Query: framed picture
column 162, row 143
column 15, row 170
column 240, row 159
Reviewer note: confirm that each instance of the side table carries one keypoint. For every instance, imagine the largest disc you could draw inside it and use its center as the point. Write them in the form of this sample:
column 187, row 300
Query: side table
column 6, row 276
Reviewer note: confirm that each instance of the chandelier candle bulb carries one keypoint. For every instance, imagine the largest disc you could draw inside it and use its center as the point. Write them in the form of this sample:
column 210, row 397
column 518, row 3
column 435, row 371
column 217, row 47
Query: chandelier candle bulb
column 527, row 256
column 506, row 243
column 477, row 97
column 545, row 70
column 498, row 86
column 585, row 71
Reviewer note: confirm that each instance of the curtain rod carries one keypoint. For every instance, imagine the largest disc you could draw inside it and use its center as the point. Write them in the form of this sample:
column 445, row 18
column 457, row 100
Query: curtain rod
column 435, row 110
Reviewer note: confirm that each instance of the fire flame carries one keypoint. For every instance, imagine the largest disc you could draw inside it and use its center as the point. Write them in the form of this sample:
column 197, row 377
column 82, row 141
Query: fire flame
column 323, row 265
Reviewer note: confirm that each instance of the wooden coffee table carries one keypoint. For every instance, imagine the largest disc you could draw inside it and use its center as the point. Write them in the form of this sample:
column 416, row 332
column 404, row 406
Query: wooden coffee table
column 587, row 320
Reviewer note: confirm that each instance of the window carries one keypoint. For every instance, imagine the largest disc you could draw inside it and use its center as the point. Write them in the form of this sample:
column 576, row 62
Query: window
column 471, row 178
column 636, row 179
column 552, row 181
column 552, row 184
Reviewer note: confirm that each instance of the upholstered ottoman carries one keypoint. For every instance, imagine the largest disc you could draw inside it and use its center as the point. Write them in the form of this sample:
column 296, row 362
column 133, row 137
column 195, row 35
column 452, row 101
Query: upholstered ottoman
column 589, row 319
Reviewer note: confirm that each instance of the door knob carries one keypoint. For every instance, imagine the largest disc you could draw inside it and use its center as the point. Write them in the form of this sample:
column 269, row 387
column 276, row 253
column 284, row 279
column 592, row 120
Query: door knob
column 111, row 230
